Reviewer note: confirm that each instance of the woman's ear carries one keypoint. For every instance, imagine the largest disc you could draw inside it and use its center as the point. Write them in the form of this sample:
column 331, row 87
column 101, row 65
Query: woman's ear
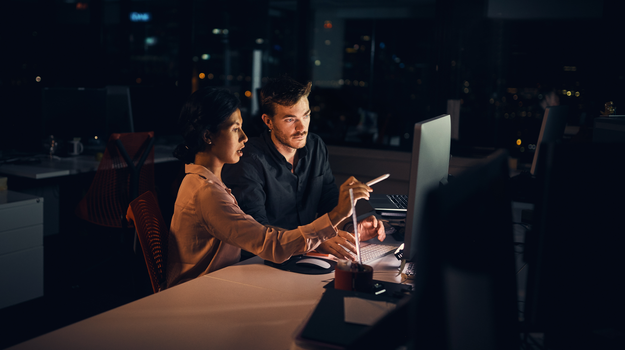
column 206, row 136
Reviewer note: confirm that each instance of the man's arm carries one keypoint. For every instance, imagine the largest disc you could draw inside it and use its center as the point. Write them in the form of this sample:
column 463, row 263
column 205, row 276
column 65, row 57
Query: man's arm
column 246, row 180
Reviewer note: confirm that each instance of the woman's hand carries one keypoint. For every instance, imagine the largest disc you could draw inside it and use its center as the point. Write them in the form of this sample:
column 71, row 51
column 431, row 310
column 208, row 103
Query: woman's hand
column 341, row 246
column 344, row 207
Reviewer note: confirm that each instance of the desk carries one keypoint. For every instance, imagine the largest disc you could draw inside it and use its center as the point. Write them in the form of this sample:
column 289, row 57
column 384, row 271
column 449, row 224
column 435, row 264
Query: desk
column 52, row 178
column 65, row 166
column 244, row 306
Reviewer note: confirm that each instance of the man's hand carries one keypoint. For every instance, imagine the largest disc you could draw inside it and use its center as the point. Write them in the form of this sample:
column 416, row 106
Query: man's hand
column 344, row 207
column 369, row 228
column 333, row 246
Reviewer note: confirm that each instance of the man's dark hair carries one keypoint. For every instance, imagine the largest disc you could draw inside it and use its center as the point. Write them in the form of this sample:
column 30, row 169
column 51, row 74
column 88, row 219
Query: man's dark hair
column 284, row 91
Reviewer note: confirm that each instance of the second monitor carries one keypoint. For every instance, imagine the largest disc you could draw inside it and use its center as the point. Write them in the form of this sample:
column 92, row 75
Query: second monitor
column 429, row 168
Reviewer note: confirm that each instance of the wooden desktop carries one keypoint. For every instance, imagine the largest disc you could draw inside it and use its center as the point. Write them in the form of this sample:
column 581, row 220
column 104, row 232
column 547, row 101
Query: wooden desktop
column 245, row 306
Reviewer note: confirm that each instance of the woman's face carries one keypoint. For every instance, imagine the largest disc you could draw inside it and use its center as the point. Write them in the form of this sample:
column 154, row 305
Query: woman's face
column 228, row 144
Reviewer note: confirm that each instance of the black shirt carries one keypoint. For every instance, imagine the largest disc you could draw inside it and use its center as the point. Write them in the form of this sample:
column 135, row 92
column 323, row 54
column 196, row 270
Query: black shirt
column 266, row 189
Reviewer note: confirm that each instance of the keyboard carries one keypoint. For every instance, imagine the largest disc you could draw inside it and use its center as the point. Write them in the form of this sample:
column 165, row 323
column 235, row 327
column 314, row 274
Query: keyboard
column 400, row 200
column 370, row 251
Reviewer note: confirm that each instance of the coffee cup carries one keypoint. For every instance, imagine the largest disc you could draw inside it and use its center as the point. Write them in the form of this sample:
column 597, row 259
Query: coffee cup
column 351, row 276
column 76, row 147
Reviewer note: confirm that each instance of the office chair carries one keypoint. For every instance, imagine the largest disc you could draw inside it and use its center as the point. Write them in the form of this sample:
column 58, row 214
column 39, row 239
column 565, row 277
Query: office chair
column 153, row 233
column 125, row 171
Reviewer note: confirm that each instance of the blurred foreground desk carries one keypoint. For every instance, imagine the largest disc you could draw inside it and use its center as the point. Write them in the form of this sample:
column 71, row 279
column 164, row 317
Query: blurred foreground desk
column 245, row 306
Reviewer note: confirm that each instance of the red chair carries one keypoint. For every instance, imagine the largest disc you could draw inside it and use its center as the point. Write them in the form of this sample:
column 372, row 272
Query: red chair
column 125, row 171
column 153, row 234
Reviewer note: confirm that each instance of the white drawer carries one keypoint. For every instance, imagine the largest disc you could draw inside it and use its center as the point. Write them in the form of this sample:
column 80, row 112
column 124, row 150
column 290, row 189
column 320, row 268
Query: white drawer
column 21, row 238
column 21, row 274
column 21, row 214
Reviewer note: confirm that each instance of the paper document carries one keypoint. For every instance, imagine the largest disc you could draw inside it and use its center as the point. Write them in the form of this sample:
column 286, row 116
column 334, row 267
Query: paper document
column 364, row 311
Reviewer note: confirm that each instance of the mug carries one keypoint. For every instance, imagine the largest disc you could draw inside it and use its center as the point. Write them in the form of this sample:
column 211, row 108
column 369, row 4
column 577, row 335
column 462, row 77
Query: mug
column 76, row 147
column 351, row 276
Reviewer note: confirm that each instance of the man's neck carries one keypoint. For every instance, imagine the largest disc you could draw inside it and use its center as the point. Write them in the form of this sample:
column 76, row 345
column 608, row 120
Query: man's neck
column 289, row 153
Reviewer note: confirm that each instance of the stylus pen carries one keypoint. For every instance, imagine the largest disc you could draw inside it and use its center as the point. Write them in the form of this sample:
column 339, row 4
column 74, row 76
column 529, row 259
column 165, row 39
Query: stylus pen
column 377, row 179
column 355, row 222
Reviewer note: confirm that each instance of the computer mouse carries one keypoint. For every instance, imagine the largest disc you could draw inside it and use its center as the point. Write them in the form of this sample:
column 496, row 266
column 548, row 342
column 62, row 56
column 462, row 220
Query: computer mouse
column 314, row 263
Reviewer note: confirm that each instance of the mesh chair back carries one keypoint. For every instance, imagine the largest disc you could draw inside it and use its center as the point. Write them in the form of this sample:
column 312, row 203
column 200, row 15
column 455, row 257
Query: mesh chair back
column 153, row 236
column 125, row 171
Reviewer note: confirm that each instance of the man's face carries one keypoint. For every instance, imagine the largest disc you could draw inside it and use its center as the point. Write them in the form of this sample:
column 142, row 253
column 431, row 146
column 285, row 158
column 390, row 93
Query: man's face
column 289, row 125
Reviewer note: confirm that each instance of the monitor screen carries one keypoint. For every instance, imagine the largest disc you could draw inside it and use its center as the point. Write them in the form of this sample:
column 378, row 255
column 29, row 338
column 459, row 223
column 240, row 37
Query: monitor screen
column 73, row 112
column 551, row 129
column 429, row 168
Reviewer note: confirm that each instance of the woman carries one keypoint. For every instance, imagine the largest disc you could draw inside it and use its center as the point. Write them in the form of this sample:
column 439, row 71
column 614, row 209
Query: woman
column 208, row 229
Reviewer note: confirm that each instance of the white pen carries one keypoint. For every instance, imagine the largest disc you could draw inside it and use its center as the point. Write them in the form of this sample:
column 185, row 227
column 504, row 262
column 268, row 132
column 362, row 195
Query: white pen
column 377, row 179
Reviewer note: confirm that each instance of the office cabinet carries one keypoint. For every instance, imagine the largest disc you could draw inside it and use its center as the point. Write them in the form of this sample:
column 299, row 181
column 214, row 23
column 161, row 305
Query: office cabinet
column 21, row 247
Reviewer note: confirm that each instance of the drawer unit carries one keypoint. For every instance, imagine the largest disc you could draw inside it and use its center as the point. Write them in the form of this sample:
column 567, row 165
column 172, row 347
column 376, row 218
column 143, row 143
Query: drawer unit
column 21, row 247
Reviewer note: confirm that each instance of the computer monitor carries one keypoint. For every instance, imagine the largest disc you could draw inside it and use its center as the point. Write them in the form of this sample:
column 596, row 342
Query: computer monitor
column 574, row 251
column 429, row 168
column 73, row 112
column 465, row 293
column 551, row 129
column 118, row 110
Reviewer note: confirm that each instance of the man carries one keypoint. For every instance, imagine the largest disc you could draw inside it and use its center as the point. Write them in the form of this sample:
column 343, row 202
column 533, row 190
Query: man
column 284, row 177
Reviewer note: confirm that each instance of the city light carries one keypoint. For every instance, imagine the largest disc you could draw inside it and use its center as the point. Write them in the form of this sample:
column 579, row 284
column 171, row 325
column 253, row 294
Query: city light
column 328, row 42
column 568, row 93
column 38, row 79
column 576, row 93
column 82, row 6
column 317, row 63
column 366, row 38
column 518, row 142
column 260, row 41
column 327, row 24
column 202, row 75
column 210, row 76
column 140, row 16
column 151, row 41
column 206, row 57
column 248, row 93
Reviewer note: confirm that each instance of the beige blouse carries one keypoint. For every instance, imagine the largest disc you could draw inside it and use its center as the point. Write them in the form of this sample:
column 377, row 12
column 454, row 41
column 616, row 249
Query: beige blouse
column 208, row 230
